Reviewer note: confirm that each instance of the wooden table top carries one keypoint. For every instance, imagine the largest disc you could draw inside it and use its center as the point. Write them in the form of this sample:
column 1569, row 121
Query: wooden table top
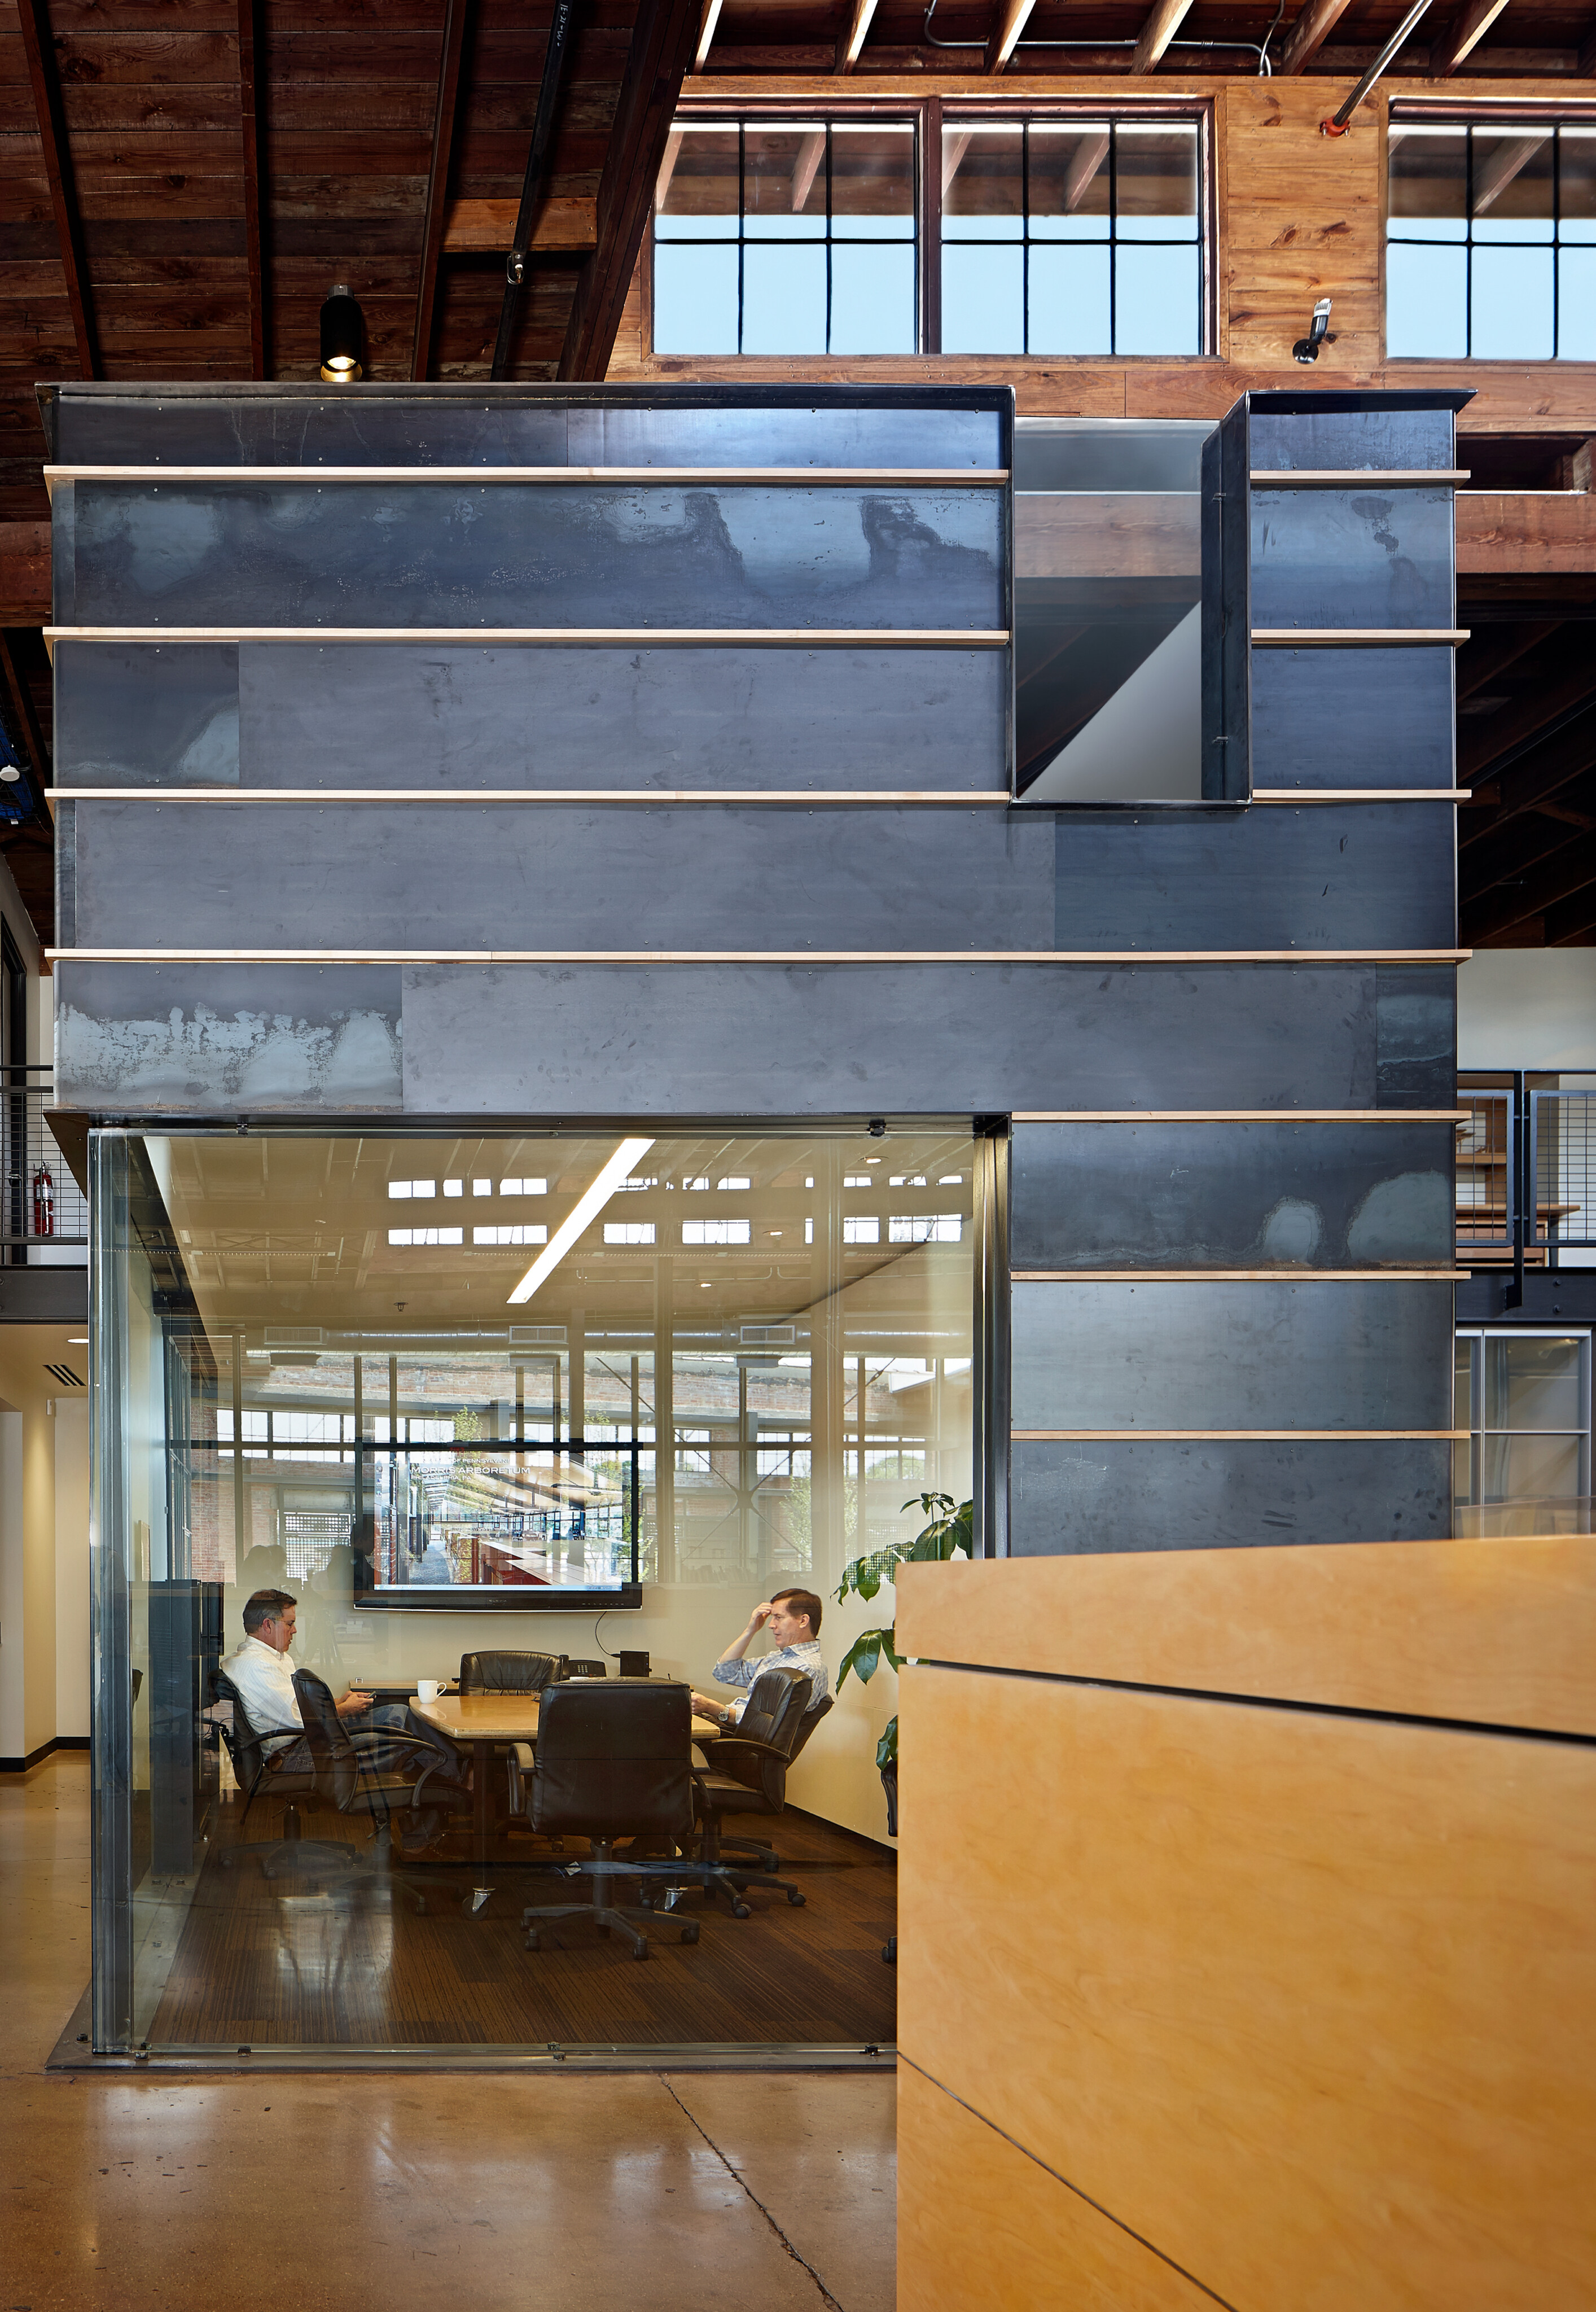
column 504, row 1718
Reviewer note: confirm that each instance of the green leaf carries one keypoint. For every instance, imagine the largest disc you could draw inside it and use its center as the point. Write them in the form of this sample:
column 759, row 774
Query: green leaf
column 886, row 1749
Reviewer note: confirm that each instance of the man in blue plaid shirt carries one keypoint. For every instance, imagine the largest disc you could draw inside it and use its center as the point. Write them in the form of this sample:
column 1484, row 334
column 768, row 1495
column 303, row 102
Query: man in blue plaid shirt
column 791, row 1618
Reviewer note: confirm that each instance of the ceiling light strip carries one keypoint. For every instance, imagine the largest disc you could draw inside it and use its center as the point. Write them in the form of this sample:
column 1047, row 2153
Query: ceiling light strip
column 1282, row 1275
column 591, row 1201
column 1237, row 1436
column 1242, row 1115
column 644, row 955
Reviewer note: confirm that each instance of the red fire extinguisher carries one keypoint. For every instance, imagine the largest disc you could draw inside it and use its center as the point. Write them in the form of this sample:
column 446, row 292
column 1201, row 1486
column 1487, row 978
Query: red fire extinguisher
column 44, row 1203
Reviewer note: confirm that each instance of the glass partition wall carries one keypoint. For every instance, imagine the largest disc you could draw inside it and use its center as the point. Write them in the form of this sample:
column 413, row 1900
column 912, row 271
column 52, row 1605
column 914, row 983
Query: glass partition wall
column 563, row 1394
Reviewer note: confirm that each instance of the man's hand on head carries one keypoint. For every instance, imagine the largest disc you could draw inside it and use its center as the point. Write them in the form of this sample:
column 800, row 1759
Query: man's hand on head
column 760, row 1615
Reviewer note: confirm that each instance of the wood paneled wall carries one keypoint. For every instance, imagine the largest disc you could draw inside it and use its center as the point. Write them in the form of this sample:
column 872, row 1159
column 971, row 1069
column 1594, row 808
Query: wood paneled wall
column 1300, row 216
column 1267, row 2001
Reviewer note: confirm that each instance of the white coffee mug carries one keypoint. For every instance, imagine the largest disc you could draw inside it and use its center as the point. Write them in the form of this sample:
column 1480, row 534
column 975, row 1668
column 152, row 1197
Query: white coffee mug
column 430, row 1689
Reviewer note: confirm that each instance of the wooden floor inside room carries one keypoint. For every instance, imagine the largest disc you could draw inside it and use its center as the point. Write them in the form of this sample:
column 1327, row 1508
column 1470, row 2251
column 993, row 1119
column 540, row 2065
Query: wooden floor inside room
column 291, row 1962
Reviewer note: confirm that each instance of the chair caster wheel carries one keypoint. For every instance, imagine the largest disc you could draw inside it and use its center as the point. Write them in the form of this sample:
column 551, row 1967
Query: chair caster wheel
column 796, row 1897
column 532, row 1941
column 642, row 1951
column 690, row 1932
column 741, row 1911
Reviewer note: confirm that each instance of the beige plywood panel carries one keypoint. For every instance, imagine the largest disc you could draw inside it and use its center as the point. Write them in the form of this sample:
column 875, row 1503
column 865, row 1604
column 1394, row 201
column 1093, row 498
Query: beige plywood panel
column 1499, row 1633
column 981, row 2224
column 1309, row 2002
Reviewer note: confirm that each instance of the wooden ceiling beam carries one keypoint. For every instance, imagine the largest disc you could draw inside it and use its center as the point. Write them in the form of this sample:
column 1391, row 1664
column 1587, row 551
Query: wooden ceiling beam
column 1491, row 652
column 1538, row 778
column 1535, row 710
column 853, row 38
column 1310, row 32
column 1567, row 873
column 251, row 136
column 1159, row 30
column 1586, row 62
column 662, row 48
column 445, row 116
column 708, row 19
column 39, row 46
column 1012, row 22
column 1469, row 27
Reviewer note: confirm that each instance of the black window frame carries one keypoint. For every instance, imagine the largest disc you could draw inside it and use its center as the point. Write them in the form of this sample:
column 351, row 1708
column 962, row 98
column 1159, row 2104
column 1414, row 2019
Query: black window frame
column 1492, row 122
column 930, row 113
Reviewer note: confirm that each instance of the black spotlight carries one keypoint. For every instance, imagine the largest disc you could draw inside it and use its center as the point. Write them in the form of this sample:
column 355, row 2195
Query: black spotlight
column 342, row 325
column 1306, row 349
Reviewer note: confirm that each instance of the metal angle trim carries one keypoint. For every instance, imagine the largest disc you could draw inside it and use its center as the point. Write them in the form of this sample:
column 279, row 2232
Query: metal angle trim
column 1360, row 477
column 1259, row 1436
column 982, row 477
column 1238, row 1275
column 568, row 637
column 797, row 796
column 1300, row 796
column 743, row 955
column 1242, row 1115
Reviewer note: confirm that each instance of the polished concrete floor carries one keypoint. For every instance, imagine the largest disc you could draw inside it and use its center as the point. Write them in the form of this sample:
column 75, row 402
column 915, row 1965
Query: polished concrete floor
column 403, row 2191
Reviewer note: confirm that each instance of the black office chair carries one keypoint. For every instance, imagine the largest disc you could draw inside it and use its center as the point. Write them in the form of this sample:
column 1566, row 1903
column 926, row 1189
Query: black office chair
column 260, row 1774
column 746, row 1774
column 348, row 1771
column 510, row 1673
column 612, row 1761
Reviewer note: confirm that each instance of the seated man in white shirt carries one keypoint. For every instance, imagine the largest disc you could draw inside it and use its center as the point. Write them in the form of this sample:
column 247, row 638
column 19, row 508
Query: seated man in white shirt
column 793, row 1619
column 261, row 1671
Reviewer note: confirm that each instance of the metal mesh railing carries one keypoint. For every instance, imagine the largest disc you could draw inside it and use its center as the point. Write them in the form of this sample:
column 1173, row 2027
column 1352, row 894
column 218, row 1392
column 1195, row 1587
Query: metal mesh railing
column 1485, row 1183
column 1563, row 1165
column 43, row 1203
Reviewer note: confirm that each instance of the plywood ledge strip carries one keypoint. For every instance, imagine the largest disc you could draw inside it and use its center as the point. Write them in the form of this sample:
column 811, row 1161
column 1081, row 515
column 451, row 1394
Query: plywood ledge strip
column 1359, row 637
column 968, row 478
column 1281, row 1276
column 1237, row 1436
column 797, row 955
column 1242, row 1115
column 1357, row 478
column 1300, row 796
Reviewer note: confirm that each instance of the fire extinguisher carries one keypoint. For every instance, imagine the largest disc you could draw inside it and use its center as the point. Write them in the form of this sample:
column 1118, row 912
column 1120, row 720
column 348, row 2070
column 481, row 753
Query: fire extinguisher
column 44, row 1203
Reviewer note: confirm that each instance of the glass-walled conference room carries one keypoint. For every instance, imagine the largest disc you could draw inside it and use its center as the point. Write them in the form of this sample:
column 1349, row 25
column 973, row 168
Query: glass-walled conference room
column 557, row 1398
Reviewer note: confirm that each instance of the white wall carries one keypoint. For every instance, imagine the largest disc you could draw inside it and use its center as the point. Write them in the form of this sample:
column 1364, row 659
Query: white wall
column 14, row 1590
column 1528, row 1008
column 72, row 1565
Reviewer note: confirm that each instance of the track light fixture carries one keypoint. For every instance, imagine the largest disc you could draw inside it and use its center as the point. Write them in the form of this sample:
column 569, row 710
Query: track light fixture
column 342, row 326
column 1306, row 349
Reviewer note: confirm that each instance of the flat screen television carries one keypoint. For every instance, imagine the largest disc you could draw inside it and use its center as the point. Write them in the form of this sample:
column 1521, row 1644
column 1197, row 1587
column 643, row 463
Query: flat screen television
column 497, row 1527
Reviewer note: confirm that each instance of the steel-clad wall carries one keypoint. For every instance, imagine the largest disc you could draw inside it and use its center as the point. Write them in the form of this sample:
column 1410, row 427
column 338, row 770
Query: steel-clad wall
column 585, row 856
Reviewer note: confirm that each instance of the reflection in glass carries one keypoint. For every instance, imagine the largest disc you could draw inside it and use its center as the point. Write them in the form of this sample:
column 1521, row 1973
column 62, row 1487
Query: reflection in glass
column 287, row 1400
column 1525, row 1397
column 1534, row 1383
column 746, row 192
column 1123, row 200
column 1519, row 1468
column 1486, row 223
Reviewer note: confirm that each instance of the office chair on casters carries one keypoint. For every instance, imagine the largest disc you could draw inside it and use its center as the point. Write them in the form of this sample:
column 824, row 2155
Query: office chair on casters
column 747, row 1775
column 612, row 1761
column 510, row 1673
column 261, row 1774
column 349, row 1771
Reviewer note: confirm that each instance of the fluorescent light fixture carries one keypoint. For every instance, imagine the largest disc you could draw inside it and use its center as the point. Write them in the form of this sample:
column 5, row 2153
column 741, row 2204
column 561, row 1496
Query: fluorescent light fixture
column 591, row 1201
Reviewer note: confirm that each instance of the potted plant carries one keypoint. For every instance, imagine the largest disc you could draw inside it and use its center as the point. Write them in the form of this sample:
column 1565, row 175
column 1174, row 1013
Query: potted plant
column 946, row 1533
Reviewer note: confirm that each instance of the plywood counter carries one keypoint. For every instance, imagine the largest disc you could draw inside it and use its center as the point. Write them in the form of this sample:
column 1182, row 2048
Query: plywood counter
column 1246, row 1941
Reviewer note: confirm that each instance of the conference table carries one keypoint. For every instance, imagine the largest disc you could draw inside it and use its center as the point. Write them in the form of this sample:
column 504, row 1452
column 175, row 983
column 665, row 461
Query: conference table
column 478, row 1722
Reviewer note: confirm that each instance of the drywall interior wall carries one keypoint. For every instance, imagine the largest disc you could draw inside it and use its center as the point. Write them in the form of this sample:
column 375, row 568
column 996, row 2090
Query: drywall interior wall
column 1528, row 1008
column 72, row 1567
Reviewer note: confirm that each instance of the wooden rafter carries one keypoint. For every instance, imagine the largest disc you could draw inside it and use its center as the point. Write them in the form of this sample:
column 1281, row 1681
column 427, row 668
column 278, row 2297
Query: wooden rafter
column 250, row 136
column 667, row 167
column 445, row 115
column 1015, row 17
column 1585, row 62
column 1310, row 32
column 853, row 34
column 708, row 19
column 662, row 48
column 1162, row 25
column 1493, row 653
column 1463, row 36
column 38, row 44
column 806, row 168
column 1504, row 165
